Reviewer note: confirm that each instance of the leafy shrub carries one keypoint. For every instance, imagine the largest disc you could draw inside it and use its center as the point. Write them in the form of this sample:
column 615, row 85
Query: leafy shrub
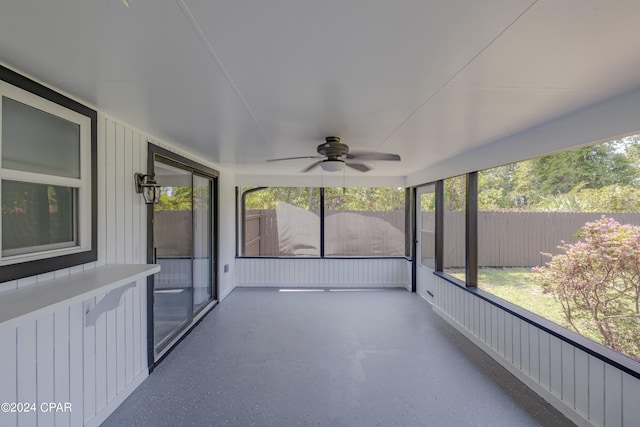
column 597, row 282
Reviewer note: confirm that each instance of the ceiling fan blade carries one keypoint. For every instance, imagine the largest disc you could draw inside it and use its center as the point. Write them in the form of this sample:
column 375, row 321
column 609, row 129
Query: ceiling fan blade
column 359, row 166
column 313, row 165
column 293, row 158
column 369, row 155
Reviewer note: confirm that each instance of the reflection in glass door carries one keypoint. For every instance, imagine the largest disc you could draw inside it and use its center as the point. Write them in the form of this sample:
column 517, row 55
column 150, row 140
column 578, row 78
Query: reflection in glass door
column 173, row 247
column 202, row 265
column 183, row 247
column 426, row 243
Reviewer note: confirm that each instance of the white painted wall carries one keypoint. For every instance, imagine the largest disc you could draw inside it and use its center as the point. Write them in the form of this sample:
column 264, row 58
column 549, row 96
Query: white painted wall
column 327, row 272
column 587, row 390
column 56, row 357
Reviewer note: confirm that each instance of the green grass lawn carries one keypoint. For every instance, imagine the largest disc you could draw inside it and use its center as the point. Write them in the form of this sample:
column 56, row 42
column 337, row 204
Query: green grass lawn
column 517, row 286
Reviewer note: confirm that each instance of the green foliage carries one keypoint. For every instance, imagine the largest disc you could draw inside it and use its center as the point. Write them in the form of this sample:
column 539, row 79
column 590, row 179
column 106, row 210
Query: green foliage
column 612, row 198
column 595, row 166
column 365, row 199
column 302, row 197
column 603, row 177
column 428, row 202
column 455, row 190
column 353, row 199
column 559, row 203
column 496, row 188
column 174, row 199
column 597, row 282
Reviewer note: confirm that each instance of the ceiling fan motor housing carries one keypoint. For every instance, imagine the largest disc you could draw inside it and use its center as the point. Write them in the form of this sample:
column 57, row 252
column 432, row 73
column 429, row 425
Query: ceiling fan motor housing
column 333, row 148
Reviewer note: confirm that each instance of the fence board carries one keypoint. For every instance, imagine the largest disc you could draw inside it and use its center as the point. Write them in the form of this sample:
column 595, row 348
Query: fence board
column 505, row 239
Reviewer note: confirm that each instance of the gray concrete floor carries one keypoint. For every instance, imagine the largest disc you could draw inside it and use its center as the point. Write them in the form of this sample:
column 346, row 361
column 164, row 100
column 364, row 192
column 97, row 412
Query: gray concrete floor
column 367, row 358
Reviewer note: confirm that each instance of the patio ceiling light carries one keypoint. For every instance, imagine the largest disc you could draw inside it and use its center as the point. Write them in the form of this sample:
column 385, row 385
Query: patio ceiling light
column 148, row 187
column 331, row 165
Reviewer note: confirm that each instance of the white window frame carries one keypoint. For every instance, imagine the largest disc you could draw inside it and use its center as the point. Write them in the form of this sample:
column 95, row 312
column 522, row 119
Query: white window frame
column 82, row 184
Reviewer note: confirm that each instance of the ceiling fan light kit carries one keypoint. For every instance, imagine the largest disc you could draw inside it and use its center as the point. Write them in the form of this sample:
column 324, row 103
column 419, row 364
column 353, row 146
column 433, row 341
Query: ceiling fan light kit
column 336, row 156
column 332, row 165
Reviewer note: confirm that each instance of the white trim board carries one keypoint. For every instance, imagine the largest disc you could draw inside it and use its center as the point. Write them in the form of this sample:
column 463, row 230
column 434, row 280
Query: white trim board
column 30, row 302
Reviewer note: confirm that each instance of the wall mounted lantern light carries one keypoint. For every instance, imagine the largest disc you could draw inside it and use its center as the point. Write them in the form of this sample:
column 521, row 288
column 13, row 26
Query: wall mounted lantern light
column 148, row 187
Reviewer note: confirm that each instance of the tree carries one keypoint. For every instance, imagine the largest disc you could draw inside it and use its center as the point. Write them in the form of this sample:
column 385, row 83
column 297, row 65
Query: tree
column 601, row 177
column 455, row 190
column 612, row 198
column 595, row 166
column 597, row 282
column 267, row 198
column 177, row 199
column 355, row 199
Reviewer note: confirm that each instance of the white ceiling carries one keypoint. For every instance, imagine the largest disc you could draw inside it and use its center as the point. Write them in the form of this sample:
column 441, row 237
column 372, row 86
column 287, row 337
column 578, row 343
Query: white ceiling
column 238, row 82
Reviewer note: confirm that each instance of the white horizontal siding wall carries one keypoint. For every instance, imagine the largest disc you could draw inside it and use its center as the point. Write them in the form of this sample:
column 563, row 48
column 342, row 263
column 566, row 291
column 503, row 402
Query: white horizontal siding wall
column 323, row 272
column 583, row 387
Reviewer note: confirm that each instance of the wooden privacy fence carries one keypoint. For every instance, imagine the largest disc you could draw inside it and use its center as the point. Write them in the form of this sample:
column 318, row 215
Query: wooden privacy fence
column 517, row 239
column 505, row 239
column 172, row 233
column 261, row 234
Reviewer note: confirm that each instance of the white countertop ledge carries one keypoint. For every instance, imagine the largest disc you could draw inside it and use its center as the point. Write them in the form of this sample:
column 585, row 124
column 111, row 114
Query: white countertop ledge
column 22, row 304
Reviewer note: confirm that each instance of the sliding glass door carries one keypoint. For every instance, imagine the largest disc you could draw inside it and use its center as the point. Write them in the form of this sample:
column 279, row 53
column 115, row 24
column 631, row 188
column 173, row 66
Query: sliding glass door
column 202, row 265
column 183, row 245
column 173, row 247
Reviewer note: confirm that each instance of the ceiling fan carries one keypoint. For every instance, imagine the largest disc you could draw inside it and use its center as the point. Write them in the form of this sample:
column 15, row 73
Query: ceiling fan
column 336, row 155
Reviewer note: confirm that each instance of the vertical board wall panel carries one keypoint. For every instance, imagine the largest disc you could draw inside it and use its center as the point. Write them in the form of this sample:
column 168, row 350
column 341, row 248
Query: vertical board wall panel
column 508, row 336
column 8, row 373
column 90, row 341
column 110, row 193
column 138, row 209
column 524, row 347
column 613, row 396
column 582, row 383
column 77, row 395
column 501, row 333
column 119, row 187
column 545, row 361
column 482, row 322
column 142, row 330
column 61, row 363
column 121, row 347
column 582, row 386
column 534, row 353
column 568, row 374
column 111, row 364
column 130, row 325
column 102, row 190
column 27, row 369
column 631, row 401
column 45, row 367
column 384, row 272
column 596, row 391
column 555, row 359
column 494, row 328
column 476, row 316
column 101, row 361
column 53, row 358
column 517, row 361
column 128, row 191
